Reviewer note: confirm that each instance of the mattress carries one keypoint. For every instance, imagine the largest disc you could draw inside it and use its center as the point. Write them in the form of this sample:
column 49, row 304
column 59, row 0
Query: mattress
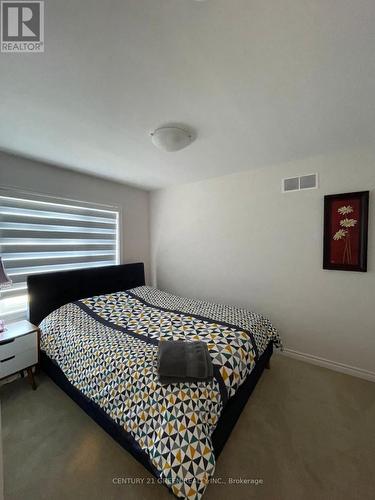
column 106, row 347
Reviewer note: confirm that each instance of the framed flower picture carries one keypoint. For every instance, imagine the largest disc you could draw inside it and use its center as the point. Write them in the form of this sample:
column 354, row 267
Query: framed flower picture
column 345, row 231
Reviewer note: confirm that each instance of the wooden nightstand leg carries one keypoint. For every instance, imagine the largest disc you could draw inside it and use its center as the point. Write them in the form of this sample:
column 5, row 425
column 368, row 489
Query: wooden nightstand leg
column 30, row 374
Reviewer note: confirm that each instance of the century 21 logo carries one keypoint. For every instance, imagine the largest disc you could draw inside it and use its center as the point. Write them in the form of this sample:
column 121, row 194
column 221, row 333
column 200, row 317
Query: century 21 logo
column 22, row 26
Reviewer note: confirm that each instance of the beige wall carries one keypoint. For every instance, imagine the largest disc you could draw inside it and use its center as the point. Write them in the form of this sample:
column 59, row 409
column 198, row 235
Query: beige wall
column 41, row 178
column 238, row 239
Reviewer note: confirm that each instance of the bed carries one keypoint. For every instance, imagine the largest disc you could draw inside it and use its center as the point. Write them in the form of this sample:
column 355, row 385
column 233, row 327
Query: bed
column 100, row 330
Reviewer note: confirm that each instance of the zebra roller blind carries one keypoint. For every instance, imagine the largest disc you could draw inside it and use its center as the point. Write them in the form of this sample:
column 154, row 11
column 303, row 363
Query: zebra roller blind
column 38, row 235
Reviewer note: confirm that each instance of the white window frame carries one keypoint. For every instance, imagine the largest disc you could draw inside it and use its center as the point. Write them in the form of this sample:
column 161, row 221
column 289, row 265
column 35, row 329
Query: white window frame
column 66, row 202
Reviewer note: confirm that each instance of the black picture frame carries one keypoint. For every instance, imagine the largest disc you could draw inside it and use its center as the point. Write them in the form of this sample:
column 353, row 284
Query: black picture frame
column 363, row 197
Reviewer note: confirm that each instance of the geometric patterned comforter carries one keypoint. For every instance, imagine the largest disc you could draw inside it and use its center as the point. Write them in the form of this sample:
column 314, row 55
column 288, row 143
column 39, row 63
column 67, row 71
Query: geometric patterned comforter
column 107, row 348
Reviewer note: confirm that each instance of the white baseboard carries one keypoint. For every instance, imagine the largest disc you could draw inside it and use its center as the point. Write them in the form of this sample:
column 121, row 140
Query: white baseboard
column 332, row 365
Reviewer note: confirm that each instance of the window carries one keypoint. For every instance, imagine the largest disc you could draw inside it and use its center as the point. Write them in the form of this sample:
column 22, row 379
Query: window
column 40, row 234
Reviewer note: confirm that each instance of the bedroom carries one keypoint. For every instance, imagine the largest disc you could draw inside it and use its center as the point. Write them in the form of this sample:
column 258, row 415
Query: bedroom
column 209, row 141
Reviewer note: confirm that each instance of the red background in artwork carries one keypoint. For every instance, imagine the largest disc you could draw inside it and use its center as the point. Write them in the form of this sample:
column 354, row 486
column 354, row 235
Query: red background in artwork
column 337, row 247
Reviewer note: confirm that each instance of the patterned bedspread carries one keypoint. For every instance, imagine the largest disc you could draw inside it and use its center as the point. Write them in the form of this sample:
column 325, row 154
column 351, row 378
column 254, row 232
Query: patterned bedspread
column 107, row 348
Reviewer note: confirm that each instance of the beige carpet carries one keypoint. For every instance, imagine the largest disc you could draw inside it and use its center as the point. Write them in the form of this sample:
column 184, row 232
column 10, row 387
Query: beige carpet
column 307, row 433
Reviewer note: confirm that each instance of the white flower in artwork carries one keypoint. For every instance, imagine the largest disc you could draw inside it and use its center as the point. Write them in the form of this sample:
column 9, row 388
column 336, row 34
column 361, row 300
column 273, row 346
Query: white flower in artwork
column 341, row 233
column 345, row 232
column 348, row 222
column 345, row 210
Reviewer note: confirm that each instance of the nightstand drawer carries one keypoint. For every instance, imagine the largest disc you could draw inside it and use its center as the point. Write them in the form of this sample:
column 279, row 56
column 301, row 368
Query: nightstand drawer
column 18, row 362
column 17, row 345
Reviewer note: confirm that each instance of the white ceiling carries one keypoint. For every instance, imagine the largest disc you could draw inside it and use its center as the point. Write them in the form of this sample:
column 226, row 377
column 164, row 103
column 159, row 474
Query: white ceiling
column 260, row 81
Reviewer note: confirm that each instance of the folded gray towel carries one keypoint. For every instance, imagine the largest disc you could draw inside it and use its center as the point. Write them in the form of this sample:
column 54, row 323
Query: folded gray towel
column 181, row 361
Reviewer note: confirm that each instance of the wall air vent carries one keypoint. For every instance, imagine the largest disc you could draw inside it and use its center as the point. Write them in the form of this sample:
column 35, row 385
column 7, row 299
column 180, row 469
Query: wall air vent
column 301, row 183
column 291, row 184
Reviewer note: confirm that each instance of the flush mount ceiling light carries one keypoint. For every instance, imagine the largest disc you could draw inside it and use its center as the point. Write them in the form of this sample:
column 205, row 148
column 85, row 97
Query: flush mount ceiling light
column 171, row 138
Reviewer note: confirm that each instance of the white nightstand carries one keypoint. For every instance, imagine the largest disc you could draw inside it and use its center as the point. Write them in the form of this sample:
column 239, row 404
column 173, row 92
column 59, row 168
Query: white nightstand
column 19, row 349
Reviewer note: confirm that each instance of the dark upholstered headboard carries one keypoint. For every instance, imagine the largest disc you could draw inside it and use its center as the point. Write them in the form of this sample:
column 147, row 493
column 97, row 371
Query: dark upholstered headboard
column 50, row 291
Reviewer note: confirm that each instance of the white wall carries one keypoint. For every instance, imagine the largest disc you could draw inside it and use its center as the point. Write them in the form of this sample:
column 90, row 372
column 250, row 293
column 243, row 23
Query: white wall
column 238, row 239
column 41, row 178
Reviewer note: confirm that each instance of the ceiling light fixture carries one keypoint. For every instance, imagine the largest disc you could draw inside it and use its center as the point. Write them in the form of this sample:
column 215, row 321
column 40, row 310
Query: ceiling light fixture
column 171, row 138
